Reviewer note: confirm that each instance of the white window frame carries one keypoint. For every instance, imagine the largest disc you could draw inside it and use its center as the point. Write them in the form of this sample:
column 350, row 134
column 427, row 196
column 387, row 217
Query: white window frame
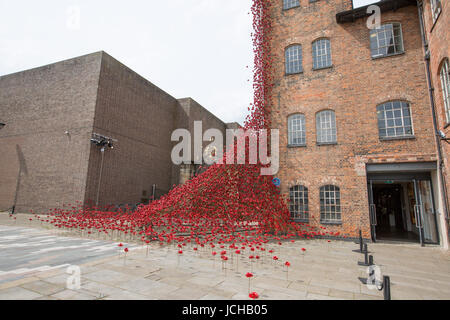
column 292, row 55
column 436, row 8
column 289, row 4
column 394, row 127
column 298, row 197
column 377, row 32
column 322, row 54
column 326, row 127
column 445, row 86
column 330, row 212
column 296, row 129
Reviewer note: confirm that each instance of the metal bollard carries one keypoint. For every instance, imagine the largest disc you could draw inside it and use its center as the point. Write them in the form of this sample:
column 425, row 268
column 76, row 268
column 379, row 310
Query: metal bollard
column 371, row 260
column 387, row 288
column 360, row 242
column 366, row 255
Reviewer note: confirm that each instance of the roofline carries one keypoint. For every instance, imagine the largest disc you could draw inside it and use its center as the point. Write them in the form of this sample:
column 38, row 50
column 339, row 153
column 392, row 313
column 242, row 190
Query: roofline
column 361, row 12
column 100, row 53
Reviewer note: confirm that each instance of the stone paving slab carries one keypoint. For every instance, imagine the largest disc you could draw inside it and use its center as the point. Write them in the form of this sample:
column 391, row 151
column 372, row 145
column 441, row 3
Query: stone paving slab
column 325, row 271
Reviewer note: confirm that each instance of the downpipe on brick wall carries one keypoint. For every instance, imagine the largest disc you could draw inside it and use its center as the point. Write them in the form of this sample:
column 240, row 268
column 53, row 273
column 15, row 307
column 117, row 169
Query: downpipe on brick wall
column 433, row 112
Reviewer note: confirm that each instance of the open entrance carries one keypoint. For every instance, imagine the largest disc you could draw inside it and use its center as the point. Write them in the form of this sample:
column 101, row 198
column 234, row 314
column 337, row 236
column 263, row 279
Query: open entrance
column 395, row 219
column 402, row 207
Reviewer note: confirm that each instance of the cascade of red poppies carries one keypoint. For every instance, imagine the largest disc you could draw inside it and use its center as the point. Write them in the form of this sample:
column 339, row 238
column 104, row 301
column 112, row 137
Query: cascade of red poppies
column 227, row 203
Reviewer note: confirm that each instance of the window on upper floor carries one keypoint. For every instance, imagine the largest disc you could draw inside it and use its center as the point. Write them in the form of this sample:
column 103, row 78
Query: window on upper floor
column 386, row 40
column 326, row 127
column 394, row 120
column 445, row 86
column 321, row 53
column 298, row 204
column 288, row 4
column 330, row 204
column 296, row 130
column 293, row 57
column 436, row 8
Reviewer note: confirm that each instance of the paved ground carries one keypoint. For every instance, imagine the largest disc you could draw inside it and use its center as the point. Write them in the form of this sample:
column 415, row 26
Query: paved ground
column 26, row 251
column 325, row 271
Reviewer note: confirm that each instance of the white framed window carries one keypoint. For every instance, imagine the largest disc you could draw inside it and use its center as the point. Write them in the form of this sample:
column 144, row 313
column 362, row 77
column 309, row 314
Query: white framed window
column 394, row 120
column 321, row 53
column 436, row 8
column 330, row 204
column 326, row 127
column 298, row 204
column 386, row 40
column 288, row 4
column 296, row 130
column 294, row 59
column 445, row 84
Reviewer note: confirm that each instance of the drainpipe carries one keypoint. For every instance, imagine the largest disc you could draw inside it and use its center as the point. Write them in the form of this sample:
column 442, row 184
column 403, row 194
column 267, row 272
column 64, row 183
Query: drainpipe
column 433, row 112
column 100, row 176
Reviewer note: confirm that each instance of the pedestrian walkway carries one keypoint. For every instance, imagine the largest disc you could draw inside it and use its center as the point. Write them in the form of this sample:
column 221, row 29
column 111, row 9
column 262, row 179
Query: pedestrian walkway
column 326, row 270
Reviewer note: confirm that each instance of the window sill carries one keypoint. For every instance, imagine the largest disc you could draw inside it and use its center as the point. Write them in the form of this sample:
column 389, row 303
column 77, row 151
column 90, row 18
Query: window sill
column 335, row 223
column 287, row 9
column 293, row 74
column 328, row 67
column 398, row 138
column 300, row 220
column 326, row 143
column 296, row 145
column 389, row 55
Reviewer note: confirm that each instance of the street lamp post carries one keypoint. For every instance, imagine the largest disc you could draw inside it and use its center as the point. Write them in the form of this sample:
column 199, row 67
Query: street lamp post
column 102, row 142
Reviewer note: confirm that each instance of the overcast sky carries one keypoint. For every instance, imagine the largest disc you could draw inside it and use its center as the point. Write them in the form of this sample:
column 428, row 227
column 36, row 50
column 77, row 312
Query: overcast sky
column 195, row 48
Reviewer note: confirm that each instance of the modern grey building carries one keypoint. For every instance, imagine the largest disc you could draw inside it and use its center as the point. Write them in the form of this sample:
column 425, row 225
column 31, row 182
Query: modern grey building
column 59, row 117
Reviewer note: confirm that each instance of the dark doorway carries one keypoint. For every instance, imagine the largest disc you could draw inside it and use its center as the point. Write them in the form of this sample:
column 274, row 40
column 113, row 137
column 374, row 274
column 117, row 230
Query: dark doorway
column 390, row 211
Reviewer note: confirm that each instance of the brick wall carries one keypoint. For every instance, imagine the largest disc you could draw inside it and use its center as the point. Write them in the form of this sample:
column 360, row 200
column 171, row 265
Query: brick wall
column 438, row 36
column 141, row 117
column 352, row 87
column 38, row 107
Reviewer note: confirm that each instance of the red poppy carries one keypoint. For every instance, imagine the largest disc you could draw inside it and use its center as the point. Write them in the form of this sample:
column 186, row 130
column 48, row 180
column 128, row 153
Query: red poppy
column 249, row 275
column 253, row 295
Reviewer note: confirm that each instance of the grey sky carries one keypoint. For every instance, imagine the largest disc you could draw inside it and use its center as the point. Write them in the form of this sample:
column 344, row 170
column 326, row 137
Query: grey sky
column 196, row 48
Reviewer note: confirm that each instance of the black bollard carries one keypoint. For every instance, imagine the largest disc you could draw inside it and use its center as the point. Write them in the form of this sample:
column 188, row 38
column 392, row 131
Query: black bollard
column 366, row 255
column 370, row 260
column 387, row 288
column 360, row 242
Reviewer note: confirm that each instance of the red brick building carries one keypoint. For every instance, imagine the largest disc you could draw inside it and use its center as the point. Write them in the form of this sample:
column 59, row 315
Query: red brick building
column 358, row 149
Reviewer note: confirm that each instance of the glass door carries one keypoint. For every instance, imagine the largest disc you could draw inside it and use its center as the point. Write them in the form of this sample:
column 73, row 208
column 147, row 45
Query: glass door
column 430, row 230
column 425, row 212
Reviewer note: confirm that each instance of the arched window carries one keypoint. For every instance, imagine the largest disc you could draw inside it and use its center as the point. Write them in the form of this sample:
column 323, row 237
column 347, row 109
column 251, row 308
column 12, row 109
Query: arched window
column 386, row 40
column 330, row 204
column 293, row 56
column 394, row 120
column 326, row 127
column 296, row 130
column 298, row 204
column 287, row 4
column 321, row 53
column 445, row 83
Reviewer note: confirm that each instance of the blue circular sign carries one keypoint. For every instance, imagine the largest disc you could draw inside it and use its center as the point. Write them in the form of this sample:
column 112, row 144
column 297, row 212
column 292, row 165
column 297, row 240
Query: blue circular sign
column 276, row 182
